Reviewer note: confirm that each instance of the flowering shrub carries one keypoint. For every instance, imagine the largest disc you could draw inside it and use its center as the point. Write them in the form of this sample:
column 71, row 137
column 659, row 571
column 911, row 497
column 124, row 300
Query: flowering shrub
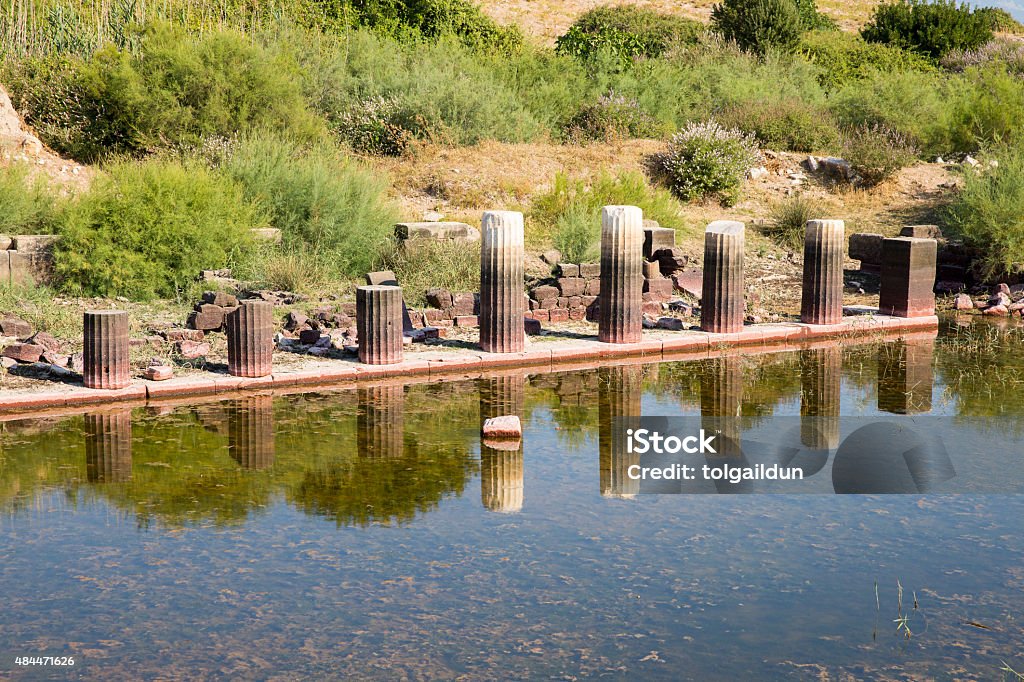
column 375, row 125
column 1008, row 52
column 706, row 159
column 611, row 117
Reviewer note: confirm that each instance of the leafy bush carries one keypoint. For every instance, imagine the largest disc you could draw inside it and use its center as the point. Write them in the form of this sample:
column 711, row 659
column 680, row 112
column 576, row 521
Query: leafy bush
column 173, row 92
column 785, row 125
column 931, row 28
column 375, row 125
column 449, row 266
column 845, row 57
column 1000, row 20
column 876, row 152
column 570, row 213
column 789, row 219
column 627, row 32
column 326, row 206
column 611, row 117
column 813, row 20
column 27, row 206
column 145, row 230
column 986, row 215
column 988, row 110
column 758, row 25
column 706, row 159
column 412, row 19
column 441, row 91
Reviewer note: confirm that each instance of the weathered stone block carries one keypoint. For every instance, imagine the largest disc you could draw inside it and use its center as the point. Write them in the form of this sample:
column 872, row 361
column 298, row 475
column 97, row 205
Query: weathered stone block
column 544, row 292
column 439, row 298
column 531, row 326
column 207, row 317
column 908, row 277
column 657, row 238
column 464, row 304
column 590, row 270
column 568, row 270
column 220, row 299
column 382, row 278
column 867, row 248
column 23, row 352
column 921, row 231
column 446, row 231
column 660, row 289
column 571, row 286
column 16, row 327
column 558, row 315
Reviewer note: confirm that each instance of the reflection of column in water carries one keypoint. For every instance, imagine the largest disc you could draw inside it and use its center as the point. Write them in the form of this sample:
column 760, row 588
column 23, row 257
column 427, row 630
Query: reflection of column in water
column 501, row 477
column 380, row 424
column 619, row 393
column 502, row 395
column 108, row 446
column 820, row 384
column 721, row 394
column 251, row 431
column 905, row 376
column 501, row 464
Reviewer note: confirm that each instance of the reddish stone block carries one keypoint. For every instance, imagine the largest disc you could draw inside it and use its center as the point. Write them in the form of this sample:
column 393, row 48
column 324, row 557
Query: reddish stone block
column 651, row 308
column 159, row 373
column 464, row 304
column 592, row 288
column 590, row 271
column 659, row 288
column 571, row 286
column 577, row 313
column 908, row 277
column 558, row 315
column 207, row 317
column 544, row 292
column 466, row 321
column 432, row 316
column 541, row 315
column 23, row 352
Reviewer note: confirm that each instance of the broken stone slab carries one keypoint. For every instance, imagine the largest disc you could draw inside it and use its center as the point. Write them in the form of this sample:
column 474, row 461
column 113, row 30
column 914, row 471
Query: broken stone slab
column 159, row 373
column 921, row 231
column 15, row 327
column 207, row 318
column 867, row 248
column 270, row 235
column 191, row 350
column 505, row 427
column 23, row 352
column 439, row 298
column 657, row 238
column 177, row 334
column 220, row 298
column 33, row 243
column 446, row 231
column 382, row 278
column 690, row 282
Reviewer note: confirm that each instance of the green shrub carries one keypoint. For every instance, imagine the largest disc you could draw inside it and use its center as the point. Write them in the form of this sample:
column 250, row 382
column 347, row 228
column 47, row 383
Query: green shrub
column 877, row 153
column 571, row 209
column 326, row 206
column 375, row 125
column 611, row 117
column 986, row 215
column 706, row 159
column 627, row 32
column 813, row 20
column 789, row 219
column 988, row 110
column 785, row 125
column 449, row 266
column 172, row 93
column 931, row 28
column 920, row 106
column 441, row 91
column 145, row 230
column 1008, row 53
column 845, row 57
column 412, row 19
column 27, row 206
column 1000, row 20
column 758, row 25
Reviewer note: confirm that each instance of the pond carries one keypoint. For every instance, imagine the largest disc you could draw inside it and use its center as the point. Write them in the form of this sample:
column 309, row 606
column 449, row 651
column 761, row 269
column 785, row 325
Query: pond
column 366, row 533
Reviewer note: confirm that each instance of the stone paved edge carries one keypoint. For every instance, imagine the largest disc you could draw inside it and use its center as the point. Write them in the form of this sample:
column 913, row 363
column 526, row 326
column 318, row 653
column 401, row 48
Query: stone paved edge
column 458, row 364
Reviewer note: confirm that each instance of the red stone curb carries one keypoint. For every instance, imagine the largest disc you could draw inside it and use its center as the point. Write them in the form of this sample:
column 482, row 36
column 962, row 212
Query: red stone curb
column 454, row 365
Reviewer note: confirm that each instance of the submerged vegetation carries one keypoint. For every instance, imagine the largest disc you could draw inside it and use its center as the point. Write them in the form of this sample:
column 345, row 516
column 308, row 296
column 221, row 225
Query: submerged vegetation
column 296, row 91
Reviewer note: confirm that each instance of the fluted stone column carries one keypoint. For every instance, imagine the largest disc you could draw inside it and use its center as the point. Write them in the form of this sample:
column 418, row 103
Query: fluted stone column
column 105, row 356
column 824, row 247
column 108, row 446
column 379, row 324
column 908, row 277
column 820, row 386
column 619, row 395
column 502, row 305
column 250, row 332
column 380, row 423
column 251, row 432
column 905, row 376
column 722, row 307
column 622, row 279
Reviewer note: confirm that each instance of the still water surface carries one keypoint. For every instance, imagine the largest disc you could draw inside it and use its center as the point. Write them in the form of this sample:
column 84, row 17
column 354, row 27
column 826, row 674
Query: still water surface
column 364, row 534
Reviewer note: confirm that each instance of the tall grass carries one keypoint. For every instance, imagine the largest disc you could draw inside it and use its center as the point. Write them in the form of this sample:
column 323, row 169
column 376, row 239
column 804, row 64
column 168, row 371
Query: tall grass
column 27, row 206
column 329, row 209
